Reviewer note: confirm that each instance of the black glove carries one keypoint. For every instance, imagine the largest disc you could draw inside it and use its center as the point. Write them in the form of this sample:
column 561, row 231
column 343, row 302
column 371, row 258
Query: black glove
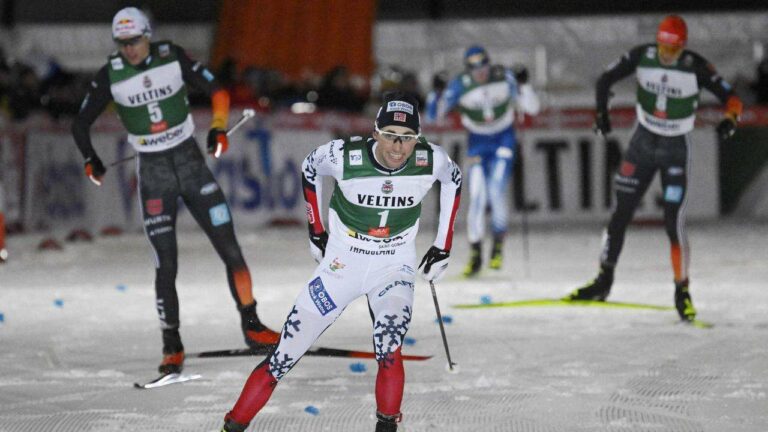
column 217, row 142
column 726, row 128
column 521, row 73
column 602, row 123
column 440, row 81
column 317, row 243
column 95, row 169
column 435, row 262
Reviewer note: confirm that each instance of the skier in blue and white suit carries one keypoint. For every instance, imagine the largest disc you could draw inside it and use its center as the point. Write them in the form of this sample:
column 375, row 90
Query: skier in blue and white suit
column 484, row 95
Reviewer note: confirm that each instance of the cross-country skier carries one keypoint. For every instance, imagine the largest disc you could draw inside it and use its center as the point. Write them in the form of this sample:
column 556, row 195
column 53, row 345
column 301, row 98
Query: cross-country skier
column 369, row 249
column 148, row 82
column 669, row 81
column 484, row 95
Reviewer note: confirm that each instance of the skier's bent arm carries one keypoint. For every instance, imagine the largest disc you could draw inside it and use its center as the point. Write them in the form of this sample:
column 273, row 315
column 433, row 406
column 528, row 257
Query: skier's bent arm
column 449, row 176
column 616, row 71
column 95, row 102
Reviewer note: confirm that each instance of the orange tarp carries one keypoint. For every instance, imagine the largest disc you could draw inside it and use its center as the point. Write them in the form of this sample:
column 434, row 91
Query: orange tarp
column 294, row 35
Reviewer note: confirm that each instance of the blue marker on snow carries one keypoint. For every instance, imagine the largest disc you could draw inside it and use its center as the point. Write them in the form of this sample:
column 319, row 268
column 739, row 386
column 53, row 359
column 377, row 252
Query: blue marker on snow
column 2, row 317
column 447, row 319
column 121, row 287
column 409, row 341
column 486, row 299
column 59, row 303
column 358, row 367
column 312, row 410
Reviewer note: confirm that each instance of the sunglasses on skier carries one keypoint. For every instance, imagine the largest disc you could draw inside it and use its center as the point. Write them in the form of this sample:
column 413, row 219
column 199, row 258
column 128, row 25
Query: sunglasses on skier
column 391, row 136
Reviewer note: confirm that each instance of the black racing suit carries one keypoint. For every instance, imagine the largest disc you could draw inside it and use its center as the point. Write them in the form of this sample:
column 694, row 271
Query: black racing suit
column 650, row 152
column 164, row 177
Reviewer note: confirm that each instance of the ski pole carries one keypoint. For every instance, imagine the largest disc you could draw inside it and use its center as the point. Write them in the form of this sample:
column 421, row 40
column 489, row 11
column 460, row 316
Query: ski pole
column 442, row 328
column 247, row 114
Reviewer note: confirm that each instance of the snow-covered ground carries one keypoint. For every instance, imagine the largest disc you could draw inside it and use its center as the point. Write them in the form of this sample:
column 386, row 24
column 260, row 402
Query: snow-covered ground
column 79, row 327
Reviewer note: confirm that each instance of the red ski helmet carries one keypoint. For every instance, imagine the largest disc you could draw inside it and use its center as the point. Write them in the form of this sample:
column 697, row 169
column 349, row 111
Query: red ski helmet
column 672, row 31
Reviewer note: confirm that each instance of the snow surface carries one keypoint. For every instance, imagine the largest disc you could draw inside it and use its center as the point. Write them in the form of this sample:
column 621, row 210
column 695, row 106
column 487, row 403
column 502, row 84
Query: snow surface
column 79, row 327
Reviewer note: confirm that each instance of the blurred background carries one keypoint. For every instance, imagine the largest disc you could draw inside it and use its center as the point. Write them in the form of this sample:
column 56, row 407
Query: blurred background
column 316, row 70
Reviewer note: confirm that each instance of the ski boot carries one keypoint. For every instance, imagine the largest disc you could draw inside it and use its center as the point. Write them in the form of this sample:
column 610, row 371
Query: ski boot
column 255, row 333
column 232, row 426
column 475, row 260
column 3, row 255
column 498, row 245
column 387, row 423
column 683, row 302
column 597, row 289
column 173, row 352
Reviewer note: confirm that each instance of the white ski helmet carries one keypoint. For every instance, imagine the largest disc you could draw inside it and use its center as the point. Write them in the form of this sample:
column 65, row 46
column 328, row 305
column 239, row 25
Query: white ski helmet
column 130, row 22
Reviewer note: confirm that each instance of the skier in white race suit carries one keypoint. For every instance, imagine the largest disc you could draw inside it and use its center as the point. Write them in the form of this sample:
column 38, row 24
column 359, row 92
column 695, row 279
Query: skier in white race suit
column 369, row 249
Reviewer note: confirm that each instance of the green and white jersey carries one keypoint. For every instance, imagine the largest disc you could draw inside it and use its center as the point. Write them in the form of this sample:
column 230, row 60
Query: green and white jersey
column 486, row 108
column 151, row 99
column 667, row 95
column 372, row 206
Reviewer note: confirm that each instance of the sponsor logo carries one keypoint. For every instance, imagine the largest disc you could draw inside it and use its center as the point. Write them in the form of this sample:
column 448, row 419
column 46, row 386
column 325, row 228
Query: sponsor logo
column 663, row 88
column 310, row 214
column 147, row 82
column 358, row 236
column 360, row 251
column 356, row 157
column 400, row 106
column 162, row 139
column 379, row 231
column 150, row 95
column 673, row 194
column 422, row 158
column 400, row 117
column 385, row 201
column 155, row 220
column 627, row 169
column 387, row 187
column 154, row 206
column 219, row 215
column 164, row 50
column 117, row 63
column 320, row 297
column 161, row 230
column 159, row 127
column 395, row 284
column 209, row 188
column 675, row 170
column 336, row 265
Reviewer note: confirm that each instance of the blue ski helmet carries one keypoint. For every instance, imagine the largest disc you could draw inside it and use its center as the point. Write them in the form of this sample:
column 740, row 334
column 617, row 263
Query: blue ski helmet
column 476, row 57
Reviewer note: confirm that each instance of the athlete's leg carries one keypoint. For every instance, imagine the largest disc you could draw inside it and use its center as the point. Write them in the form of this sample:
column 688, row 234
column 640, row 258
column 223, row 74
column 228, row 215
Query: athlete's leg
column 478, row 196
column 630, row 183
column 335, row 283
column 208, row 205
column 499, row 171
column 158, row 196
column 478, row 200
column 674, row 182
column 391, row 305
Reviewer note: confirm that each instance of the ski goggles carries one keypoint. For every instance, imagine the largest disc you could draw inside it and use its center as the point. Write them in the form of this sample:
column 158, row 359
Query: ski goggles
column 391, row 136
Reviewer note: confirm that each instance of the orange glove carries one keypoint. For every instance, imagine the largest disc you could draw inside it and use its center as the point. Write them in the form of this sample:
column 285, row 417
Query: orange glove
column 95, row 169
column 217, row 142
